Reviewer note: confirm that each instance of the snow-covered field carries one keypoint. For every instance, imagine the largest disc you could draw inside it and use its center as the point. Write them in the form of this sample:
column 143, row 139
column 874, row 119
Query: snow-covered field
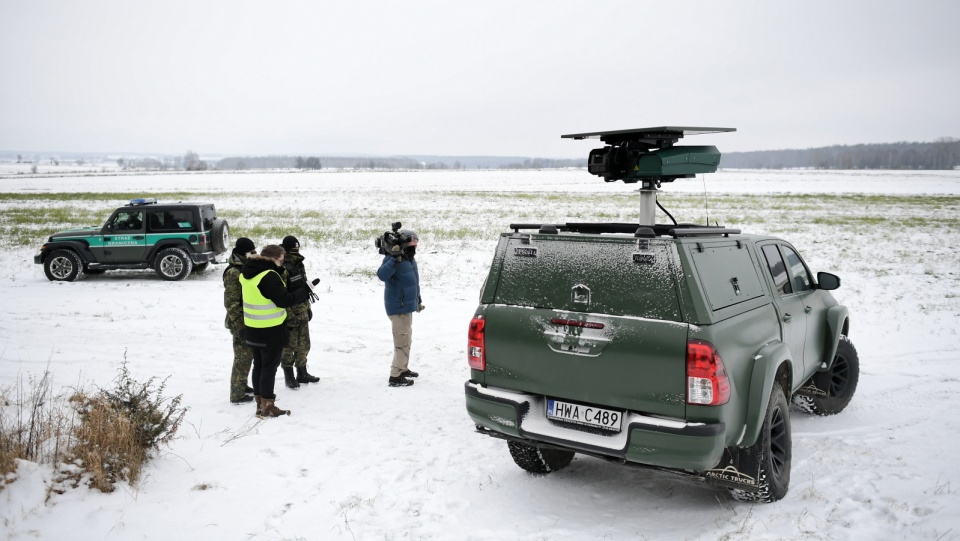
column 359, row 460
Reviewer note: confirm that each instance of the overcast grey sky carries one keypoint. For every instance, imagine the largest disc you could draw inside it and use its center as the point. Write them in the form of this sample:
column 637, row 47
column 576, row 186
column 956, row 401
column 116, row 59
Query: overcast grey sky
column 483, row 77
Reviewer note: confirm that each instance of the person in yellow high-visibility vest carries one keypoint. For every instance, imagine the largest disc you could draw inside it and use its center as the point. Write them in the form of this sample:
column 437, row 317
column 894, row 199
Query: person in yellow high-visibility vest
column 265, row 299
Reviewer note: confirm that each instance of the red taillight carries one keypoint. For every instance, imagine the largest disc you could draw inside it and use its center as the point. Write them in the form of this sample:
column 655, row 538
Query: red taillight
column 476, row 356
column 203, row 238
column 707, row 382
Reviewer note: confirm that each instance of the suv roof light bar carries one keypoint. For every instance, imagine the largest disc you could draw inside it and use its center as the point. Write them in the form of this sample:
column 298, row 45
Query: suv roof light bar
column 142, row 201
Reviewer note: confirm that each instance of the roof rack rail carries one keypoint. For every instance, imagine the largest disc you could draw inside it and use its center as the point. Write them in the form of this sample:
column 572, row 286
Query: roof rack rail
column 702, row 231
column 673, row 230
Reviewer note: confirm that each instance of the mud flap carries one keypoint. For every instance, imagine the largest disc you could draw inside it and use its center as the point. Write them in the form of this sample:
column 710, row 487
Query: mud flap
column 738, row 468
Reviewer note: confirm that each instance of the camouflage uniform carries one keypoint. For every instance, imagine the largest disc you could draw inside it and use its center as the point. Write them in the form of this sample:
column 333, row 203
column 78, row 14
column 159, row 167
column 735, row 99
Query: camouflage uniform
column 295, row 354
column 233, row 302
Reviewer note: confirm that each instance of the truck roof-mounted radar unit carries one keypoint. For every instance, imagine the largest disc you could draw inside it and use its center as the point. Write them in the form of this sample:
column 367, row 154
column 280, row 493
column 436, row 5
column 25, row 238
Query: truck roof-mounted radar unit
column 648, row 156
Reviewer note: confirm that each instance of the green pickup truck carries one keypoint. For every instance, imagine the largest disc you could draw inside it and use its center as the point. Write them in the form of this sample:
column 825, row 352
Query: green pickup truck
column 677, row 347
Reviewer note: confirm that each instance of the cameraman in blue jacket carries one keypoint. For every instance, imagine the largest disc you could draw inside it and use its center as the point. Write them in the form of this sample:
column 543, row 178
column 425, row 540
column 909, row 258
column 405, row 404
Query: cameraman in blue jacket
column 401, row 298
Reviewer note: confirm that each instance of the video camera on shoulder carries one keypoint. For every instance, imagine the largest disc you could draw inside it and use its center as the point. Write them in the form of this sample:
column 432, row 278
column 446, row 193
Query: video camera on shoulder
column 392, row 238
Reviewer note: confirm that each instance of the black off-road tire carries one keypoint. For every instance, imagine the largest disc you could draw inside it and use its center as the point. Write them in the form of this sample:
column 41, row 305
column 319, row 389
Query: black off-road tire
column 836, row 387
column 220, row 236
column 173, row 264
column 773, row 449
column 63, row 266
column 537, row 460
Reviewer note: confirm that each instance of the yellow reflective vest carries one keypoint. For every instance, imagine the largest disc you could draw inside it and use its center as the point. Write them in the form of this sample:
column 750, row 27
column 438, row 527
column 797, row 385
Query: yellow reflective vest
column 260, row 312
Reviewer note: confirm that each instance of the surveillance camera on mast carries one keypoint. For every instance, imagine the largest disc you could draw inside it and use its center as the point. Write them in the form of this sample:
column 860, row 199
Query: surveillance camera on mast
column 648, row 156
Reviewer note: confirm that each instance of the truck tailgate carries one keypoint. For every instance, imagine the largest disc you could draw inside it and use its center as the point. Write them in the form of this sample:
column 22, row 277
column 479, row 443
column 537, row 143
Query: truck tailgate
column 622, row 362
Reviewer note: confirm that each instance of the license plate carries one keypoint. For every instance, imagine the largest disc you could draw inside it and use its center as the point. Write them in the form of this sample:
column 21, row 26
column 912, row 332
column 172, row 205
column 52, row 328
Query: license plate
column 584, row 415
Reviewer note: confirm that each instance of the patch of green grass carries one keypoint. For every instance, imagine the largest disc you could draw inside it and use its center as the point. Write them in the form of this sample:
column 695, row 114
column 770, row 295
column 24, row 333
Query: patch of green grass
column 468, row 217
column 113, row 198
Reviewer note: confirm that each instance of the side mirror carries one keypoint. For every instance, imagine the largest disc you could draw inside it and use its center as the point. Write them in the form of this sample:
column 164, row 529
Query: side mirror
column 827, row 281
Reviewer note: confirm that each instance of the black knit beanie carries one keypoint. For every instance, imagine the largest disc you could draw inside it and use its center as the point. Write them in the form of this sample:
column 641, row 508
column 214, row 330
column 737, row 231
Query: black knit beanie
column 290, row 244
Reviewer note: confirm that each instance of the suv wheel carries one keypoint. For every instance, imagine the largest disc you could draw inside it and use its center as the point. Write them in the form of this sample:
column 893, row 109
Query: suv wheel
column 220, row 233
column 835, row 387
column 62, row 266
column 773, row 452
column 537, row 460
column 173, row 264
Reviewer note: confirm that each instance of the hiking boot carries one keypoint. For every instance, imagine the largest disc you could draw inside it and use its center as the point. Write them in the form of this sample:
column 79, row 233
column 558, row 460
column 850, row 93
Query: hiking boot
column 268, row 409
column 399, row 381
column 304, row 377
column 259, row 400
column 289, row 379
column 248, row 389
column 408, row 374
column 242, row 400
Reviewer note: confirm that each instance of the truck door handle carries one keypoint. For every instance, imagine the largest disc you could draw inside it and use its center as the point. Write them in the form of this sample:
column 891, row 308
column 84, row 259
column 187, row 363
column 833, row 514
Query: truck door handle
column 787, row 317
column 807, row 309
column 140, row 237
column 106, row 238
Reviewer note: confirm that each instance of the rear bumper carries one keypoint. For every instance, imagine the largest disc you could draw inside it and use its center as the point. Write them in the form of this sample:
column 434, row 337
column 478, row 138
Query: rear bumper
column 203, row 257
column 652, row 441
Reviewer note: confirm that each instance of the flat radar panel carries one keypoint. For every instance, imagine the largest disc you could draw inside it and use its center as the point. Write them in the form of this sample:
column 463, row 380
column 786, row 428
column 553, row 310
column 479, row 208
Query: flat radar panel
column 646, row 134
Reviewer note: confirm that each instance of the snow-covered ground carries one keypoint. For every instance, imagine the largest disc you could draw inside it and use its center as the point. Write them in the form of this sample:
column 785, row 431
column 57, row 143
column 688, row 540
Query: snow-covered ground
column 359, row 460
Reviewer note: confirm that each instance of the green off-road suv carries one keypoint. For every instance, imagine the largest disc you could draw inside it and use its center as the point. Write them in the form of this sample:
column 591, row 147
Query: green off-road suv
column 677, row 347
column 172, row 238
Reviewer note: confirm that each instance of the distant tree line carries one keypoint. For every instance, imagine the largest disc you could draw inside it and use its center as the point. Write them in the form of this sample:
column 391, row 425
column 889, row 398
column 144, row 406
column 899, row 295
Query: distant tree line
column 401, row 162
column 944, row 153
column 188, row 162
column 544, row 163
column 192, row 162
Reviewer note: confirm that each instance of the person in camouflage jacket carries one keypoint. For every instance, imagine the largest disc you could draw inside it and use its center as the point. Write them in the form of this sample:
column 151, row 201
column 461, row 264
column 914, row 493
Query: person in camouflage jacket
column 240, row 392
column 298, row 317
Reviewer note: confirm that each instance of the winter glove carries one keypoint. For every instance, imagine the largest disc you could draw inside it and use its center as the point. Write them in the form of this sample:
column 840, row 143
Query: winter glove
column 420, row 307
column 310, row 312
column 397, row 252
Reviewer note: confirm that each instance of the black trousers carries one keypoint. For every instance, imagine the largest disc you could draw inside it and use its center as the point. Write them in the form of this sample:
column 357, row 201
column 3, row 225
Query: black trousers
column 267, row 346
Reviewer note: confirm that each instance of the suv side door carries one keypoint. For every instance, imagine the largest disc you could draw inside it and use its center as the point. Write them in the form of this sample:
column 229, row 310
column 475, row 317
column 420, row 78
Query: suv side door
column 813, row 305
column 791, row 311
column 123, row 239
